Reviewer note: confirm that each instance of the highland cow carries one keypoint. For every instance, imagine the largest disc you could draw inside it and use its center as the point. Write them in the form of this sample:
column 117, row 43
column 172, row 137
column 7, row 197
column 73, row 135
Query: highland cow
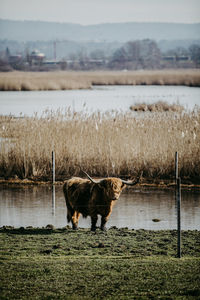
column 92, row 198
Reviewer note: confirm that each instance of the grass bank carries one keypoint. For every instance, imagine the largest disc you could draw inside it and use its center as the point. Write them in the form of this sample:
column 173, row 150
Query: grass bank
column 28, row 81
column 108, row 144
column 118, row 264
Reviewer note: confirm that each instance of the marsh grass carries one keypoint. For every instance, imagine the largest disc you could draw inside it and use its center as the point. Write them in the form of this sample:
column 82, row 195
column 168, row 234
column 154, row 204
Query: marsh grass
column 31, row 81
column 27, row 81
column 103, row 144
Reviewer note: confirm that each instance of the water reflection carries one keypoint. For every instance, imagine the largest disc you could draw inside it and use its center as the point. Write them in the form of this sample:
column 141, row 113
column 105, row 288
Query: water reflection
column 53, row 200
column 39, row 206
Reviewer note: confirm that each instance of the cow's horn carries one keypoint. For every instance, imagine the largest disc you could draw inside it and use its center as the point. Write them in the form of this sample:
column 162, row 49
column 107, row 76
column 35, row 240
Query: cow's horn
column 132, row 182
column 90, row 177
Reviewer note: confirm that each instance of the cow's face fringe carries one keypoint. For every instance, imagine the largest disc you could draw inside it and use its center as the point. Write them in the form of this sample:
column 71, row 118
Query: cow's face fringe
column 112, row 187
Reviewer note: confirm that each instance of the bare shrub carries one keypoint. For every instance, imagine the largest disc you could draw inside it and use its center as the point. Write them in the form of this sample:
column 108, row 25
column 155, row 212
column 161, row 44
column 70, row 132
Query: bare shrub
column 160, row 106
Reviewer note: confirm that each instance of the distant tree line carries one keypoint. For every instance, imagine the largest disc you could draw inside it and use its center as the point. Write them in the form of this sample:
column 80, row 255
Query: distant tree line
column 133, row 55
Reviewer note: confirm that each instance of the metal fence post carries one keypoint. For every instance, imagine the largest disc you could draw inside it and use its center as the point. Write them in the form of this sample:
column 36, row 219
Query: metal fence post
column 53, row 167
column 53, row 183
column 176, row 166
column 178, row 217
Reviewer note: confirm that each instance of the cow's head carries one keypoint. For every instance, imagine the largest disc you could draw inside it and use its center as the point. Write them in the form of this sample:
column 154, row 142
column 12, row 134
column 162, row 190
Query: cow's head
column 112, row 186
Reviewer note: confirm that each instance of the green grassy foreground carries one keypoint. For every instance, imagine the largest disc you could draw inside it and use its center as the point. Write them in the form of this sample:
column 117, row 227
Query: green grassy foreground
column 117, row 264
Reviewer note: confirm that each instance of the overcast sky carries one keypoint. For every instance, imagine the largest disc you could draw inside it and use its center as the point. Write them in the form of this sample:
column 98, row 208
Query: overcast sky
column 102, row 11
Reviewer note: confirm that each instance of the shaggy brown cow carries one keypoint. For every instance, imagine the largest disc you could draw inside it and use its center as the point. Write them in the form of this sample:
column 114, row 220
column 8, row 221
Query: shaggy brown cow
column 92, row 198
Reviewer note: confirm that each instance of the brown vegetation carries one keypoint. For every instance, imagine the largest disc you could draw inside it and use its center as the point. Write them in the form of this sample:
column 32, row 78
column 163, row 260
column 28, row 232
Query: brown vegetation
column 109, row 144
column 160, row 106
column 27, row 81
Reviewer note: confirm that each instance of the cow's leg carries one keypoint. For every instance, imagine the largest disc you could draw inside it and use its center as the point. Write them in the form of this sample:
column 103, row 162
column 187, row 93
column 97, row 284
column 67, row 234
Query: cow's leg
column 94, row 222
column 70, row 213
column 103, row 222
column 74, row 219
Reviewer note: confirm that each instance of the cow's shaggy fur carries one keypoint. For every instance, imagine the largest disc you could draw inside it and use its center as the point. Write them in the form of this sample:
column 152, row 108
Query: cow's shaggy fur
column 88, row 198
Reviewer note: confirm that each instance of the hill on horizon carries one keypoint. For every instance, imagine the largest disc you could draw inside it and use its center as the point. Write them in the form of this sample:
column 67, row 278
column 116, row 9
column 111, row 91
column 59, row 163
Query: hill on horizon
column 108, row 32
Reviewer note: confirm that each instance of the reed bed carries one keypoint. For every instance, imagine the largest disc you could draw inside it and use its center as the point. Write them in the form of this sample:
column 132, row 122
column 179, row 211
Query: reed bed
column 103, row 144
column 159, row 106
column 32, row 81
column 62, row 80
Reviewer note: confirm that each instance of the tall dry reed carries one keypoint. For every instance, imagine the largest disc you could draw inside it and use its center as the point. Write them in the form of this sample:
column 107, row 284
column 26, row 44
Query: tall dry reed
column 26, row 81
column 102, row 144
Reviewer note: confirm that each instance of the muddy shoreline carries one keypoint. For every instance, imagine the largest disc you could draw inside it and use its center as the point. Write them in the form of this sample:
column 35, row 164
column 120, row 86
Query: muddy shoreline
column 145, row 184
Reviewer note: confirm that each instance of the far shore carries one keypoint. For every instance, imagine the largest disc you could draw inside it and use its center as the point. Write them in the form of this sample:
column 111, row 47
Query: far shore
column 69, row 80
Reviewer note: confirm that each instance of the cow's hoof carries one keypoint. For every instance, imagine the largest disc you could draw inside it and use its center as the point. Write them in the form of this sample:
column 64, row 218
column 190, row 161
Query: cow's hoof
column 103, row 228
column 93, row 229
column 75, row 228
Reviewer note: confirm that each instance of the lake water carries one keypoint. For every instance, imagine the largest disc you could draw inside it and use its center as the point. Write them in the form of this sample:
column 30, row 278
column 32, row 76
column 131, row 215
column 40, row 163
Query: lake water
column 100, row 98
column 33, row 206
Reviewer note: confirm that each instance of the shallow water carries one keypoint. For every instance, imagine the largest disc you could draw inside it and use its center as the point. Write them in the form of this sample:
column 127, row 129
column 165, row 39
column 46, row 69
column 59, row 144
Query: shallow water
column 102, row 98
column 33, row 206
